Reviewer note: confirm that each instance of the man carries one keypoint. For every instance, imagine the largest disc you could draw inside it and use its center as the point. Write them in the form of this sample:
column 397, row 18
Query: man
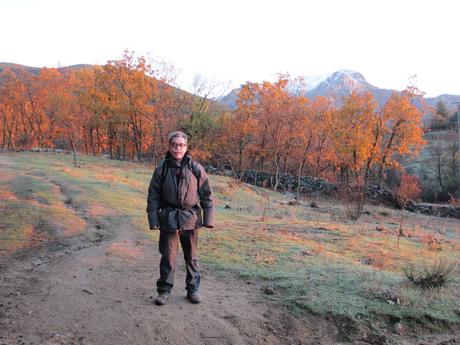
column 178, row 185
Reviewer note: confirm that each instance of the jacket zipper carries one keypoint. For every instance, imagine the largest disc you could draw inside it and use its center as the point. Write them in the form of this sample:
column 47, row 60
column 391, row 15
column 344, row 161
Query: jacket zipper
column 178, row 186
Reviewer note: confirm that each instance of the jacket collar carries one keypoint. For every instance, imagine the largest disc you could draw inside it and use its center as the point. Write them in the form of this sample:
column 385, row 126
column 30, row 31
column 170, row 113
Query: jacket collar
column 170, row 161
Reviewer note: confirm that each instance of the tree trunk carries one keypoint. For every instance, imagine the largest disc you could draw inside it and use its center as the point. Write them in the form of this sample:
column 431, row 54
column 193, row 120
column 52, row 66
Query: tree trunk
column 299, row 175
column 72, row 145
column 277, row 174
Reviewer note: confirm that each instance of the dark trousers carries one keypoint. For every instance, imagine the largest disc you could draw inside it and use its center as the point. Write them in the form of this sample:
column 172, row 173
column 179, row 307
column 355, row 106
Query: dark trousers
column 169, row 245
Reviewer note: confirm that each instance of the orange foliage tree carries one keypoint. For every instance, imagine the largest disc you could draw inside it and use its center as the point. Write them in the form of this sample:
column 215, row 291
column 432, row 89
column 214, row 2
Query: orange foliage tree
column 353, row 135
column 403, row 131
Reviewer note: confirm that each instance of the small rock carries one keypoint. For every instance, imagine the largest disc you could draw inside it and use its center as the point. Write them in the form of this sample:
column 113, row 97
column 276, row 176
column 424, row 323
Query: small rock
column 366, row 261
column 380, row 228
column 391, row 296
column 399, row 328
column 227, row 207
column 269, row 291
column 314, row 204
column 308, row 252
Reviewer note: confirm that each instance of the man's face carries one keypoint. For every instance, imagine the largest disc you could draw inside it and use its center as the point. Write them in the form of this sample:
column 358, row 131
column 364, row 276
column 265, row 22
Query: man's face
column 177, row 148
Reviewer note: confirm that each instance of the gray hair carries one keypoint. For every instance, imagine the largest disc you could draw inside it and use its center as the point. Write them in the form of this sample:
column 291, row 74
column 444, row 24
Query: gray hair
column 177, row 134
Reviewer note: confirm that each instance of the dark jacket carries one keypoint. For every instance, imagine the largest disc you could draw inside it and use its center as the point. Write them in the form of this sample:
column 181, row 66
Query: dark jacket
column 176, row 194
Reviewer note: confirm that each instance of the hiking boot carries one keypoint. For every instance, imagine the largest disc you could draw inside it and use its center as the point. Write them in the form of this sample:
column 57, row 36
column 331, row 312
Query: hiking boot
column 162, row 298
column 194, row 297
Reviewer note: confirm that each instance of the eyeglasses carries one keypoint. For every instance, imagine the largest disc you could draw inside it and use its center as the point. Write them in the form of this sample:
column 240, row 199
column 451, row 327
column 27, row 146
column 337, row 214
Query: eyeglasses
column 180, row 146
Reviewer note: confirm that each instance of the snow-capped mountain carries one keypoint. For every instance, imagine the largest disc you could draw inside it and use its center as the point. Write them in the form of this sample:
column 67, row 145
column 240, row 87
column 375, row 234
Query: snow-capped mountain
column 344, row 77
column 334, row 85
column 342, row 83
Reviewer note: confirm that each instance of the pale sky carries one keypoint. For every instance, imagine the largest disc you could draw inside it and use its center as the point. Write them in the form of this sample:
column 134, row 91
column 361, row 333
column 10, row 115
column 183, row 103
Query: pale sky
column 238, row 41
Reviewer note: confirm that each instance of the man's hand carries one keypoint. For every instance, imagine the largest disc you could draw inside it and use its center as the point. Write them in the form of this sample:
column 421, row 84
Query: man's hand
column 155, row 227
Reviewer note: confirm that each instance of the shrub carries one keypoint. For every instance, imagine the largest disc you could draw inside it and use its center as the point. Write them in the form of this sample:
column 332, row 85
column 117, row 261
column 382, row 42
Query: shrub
column 453, row 201
column 430, row 277
column 353, row 196
column 264, row 204
column 433, row 241
column 408, row 189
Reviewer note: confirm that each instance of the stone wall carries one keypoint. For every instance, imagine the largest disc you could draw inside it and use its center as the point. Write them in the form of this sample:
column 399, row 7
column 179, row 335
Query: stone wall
column 288, row 183
column 313, row 186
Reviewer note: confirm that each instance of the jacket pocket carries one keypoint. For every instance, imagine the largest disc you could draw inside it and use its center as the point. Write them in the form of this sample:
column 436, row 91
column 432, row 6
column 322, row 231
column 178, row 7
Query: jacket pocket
column 188, row 219
column 168, row 219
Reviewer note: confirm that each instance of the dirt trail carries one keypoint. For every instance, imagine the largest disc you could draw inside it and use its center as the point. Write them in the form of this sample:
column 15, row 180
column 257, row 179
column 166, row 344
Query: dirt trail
column 82, row 291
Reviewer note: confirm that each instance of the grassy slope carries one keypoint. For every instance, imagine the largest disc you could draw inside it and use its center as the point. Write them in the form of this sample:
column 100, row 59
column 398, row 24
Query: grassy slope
column 311, row 257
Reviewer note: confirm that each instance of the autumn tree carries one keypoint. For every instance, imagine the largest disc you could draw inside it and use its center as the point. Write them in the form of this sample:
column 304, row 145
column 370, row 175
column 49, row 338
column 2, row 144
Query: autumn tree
column 317, row 136
column 25, row 122
column 403, row 134
column 10, row 102
column 67, row 111
column 241, row 126
column 353, row 137
column 294, row 114
column 131, row 78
